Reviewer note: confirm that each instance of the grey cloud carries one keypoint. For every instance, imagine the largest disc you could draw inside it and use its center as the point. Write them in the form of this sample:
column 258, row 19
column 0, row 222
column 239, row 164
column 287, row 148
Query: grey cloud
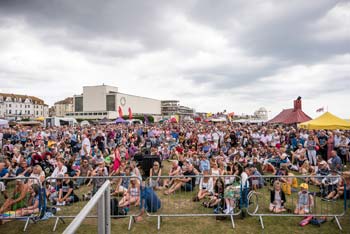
column 287, row 36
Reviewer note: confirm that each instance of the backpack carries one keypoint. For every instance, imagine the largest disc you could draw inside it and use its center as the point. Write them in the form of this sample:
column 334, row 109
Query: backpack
column 115, row 211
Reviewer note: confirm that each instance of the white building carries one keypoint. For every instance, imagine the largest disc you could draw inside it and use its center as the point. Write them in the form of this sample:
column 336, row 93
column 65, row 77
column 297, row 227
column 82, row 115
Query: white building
column 102, row 101
column 261, row 114
column 63, row 107
column 173, row 107
column 15, row 106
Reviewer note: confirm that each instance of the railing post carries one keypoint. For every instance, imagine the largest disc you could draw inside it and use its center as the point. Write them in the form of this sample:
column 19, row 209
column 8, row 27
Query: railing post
column 101, row 214
column 107, row 210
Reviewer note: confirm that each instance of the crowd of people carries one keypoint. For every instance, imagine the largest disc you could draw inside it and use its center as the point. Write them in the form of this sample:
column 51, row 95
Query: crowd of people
column 221, row 153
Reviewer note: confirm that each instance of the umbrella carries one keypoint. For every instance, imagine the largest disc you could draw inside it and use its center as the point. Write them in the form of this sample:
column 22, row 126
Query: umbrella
column 162, row 120
column 173, row 120
column 120, row 120
column 104, row 121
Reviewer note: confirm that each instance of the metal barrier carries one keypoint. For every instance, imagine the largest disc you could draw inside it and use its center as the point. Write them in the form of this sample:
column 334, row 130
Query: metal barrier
column 260, row 199
column 102, row 197
column 180, row 198
column 25, row 199
column 88, row 187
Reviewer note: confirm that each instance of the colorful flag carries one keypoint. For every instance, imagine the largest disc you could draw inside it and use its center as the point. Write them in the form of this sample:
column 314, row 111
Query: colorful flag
column 120, row 112
column 130, row 113
column 320, row 109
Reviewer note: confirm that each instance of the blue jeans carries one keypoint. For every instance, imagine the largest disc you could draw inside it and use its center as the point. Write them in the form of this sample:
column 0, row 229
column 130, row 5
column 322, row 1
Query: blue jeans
column 187, row 187
column 244, row 198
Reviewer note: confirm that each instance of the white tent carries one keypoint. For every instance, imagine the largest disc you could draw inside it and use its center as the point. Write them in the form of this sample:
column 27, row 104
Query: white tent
column 85, row 123
column 216, row 120
column 4, row 123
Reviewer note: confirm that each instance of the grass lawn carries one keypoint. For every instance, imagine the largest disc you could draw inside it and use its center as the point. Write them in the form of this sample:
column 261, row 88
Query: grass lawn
column 193, row 225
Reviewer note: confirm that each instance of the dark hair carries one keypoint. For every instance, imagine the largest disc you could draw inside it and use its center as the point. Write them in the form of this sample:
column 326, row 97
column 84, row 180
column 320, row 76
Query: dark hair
column 216, row 187
column 35, row 188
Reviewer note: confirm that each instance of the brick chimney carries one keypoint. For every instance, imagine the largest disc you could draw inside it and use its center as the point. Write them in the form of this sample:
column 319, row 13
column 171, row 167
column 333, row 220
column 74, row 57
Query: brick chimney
column 297, row 104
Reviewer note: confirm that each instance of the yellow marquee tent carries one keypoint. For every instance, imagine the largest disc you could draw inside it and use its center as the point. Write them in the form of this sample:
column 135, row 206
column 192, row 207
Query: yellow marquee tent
column 41, row 118
column 326, row 121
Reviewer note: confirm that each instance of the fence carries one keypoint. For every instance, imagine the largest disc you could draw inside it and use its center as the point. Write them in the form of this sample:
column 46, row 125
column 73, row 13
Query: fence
column 102, row 197
column 181, row 199
column 260, row 206
column 85, row 193
column 177, row 199
column 26, row 199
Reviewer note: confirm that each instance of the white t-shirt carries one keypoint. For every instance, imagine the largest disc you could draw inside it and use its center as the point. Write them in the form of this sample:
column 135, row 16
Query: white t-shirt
column 58, row 171
column 200, row 138
column 245, row 181
column 208, row 186
column 86, row 142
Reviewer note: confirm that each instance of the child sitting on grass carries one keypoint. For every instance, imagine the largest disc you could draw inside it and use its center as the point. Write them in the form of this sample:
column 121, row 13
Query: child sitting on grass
column 305, row 200
column 277, row 198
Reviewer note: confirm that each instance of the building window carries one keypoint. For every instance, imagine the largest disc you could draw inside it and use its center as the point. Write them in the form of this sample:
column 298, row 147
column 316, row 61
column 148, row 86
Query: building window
column 9, row 111
column 78, row 104
column 9, row 105
column 110, row 103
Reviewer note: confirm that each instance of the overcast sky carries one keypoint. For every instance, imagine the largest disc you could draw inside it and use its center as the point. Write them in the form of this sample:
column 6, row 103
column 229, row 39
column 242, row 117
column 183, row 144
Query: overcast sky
column 210, row 55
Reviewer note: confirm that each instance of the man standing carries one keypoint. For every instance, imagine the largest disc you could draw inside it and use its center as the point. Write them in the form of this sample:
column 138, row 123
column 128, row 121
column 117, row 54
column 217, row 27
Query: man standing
column 322, row 139
column 85, row 147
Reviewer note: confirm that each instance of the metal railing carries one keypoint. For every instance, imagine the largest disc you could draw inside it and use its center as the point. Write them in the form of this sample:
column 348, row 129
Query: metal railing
column 21, row 210
column 102, row 199
column 318, row 206
column 181, row 200
column 88, row 191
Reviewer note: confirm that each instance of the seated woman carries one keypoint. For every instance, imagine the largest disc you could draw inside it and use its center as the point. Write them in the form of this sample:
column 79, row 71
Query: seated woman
column 33, row 202
column 205, row 186
column 305, row 201
column 218, row 195
column 154, row 174
column 18, row 199
column 277, row 198
column 339, row 191
column 174, row 171
column 132, row 195
column 66, row 194
column 37, row 173
column 123, row 182
column 330, row 183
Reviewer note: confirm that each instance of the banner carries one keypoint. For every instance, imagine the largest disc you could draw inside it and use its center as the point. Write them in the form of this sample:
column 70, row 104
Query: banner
column 130, row 113
column 120, row 112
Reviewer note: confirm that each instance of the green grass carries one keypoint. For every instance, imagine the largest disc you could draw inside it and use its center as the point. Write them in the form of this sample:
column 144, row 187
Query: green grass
column 183, row 202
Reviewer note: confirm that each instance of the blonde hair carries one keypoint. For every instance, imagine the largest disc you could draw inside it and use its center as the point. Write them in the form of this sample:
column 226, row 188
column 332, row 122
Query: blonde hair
column 38, row 167
column 277, row 182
